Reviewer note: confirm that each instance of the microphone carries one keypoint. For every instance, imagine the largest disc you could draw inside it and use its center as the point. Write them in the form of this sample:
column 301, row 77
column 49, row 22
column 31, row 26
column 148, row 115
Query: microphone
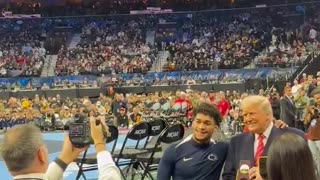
column 243, row 172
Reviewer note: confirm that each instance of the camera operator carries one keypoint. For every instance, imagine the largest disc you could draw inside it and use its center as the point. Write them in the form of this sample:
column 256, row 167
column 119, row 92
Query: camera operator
column 26, row 155
column 312, row 120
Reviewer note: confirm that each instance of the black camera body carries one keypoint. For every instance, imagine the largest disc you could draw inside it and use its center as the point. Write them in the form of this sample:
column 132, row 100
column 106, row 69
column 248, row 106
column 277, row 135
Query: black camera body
column 80, row 132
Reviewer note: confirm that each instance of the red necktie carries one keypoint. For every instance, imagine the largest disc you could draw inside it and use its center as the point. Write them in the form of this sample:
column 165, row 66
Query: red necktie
column 260, row 148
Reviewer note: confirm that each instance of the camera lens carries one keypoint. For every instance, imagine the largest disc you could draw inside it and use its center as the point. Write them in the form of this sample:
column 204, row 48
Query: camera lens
column 78, row 118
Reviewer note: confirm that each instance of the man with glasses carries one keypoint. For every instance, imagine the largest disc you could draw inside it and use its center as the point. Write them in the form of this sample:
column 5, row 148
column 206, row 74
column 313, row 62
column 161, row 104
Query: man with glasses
column 26, row 155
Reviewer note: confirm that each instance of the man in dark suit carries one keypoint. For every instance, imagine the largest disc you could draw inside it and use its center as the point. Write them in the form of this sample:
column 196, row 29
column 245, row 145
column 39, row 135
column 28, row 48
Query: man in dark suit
column 257, row 115
column 287, row 108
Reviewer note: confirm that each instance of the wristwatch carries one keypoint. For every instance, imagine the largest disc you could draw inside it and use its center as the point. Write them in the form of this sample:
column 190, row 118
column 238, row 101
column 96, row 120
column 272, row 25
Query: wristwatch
column 61, row 164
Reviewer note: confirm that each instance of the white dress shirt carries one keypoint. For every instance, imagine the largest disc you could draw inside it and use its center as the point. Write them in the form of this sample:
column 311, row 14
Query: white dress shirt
column 312, row 33
column 106, row 168
column 295, row 89
column 266, row 134
column 54, row 172
column 31, row 176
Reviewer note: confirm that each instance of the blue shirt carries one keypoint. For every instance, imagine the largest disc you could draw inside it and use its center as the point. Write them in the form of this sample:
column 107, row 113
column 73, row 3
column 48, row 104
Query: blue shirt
column 192, row 161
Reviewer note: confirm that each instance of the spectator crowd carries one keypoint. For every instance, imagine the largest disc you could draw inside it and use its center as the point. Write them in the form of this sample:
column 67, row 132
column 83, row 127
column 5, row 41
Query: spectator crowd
column 22, row 51
column 107, row 47
column 119, row 52
column 125, row 110
column 202, row 41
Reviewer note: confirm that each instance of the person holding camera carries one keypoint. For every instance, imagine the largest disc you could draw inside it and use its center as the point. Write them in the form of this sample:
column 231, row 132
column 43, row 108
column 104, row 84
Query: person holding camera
column 312, row 120
column 26, row 155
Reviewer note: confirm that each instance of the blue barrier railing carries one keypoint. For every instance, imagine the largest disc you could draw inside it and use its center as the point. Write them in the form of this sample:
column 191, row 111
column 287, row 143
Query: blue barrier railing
column 201, row 76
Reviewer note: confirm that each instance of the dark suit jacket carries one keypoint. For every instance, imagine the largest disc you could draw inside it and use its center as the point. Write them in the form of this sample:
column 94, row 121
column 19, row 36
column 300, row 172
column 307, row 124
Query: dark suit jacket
column 287, row 111
column 276, row 108
column 241, row 147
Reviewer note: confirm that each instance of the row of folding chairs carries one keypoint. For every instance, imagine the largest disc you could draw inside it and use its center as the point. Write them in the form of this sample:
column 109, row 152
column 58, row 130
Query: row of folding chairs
column 141, row 158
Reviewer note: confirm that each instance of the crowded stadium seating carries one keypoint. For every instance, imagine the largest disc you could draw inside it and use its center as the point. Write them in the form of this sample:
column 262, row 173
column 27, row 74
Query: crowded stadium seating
column 116, row 70
column 107, row 47
column 22, row 51
column 196, row 41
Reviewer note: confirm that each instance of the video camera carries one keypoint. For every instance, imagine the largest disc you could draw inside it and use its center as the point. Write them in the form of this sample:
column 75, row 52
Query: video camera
column 80, row 132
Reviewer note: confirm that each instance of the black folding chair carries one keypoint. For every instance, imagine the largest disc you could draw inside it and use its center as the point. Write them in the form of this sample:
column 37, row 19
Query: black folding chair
column 149, row 161
column 156, row 127
column 46, row 125
column 128, row 155
column 67, row 124
column 1, row 124
column 91, row 159
column 59, row 125
column 37, row 121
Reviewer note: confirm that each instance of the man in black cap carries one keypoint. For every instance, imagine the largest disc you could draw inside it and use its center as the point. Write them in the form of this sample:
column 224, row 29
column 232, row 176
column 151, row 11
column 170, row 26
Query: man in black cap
column 122, row 118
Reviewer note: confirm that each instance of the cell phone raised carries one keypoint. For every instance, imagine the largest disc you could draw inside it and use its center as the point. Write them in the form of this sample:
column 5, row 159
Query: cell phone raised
column 262, row 163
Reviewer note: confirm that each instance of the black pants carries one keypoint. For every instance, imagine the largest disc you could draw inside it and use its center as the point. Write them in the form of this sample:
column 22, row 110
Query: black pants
column 299, row 121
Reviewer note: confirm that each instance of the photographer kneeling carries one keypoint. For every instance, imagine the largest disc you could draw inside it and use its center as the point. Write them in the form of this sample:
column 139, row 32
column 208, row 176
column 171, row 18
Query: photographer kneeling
column 26, row 155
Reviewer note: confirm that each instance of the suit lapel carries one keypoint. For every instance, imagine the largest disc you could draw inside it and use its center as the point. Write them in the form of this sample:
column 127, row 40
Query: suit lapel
column 290, row 101
column 274, row 133
column 248, row 148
